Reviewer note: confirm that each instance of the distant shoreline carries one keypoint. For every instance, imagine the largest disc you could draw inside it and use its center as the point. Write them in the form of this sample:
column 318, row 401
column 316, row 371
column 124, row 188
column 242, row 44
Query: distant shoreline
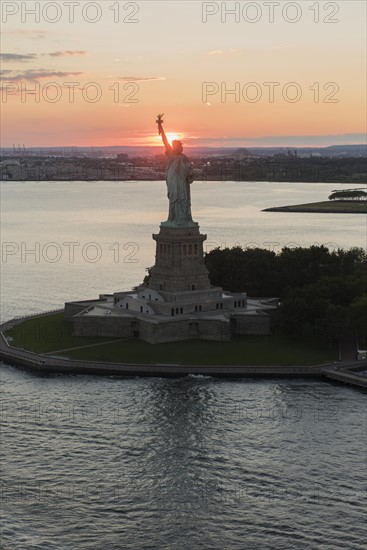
column 326, row 207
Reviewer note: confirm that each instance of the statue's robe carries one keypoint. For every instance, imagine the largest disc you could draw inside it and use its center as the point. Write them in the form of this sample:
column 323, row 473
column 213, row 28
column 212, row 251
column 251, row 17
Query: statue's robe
column 179, row 176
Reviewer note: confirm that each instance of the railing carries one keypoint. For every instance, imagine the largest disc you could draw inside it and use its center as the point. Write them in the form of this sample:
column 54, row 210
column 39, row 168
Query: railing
column 18, row 318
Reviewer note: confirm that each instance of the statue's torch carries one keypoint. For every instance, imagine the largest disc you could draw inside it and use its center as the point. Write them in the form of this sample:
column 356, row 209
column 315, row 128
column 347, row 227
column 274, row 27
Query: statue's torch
column 159, row 121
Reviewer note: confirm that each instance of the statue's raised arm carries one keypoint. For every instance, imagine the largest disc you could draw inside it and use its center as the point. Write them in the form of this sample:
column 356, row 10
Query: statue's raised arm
column 161, row 132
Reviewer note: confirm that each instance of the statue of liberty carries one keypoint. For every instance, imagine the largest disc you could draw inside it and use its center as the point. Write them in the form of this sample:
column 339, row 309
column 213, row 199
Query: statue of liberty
column 179, row 176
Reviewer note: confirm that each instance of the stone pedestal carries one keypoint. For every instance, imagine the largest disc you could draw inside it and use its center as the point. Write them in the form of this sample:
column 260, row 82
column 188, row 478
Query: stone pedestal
column 179, row 260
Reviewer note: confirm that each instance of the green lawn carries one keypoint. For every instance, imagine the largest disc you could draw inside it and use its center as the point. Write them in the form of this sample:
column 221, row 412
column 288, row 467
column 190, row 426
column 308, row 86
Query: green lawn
column 49, row 333
column 52, row 334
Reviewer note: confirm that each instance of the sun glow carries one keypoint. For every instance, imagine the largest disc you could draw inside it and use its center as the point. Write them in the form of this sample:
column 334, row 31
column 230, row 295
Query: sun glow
column 171, row 136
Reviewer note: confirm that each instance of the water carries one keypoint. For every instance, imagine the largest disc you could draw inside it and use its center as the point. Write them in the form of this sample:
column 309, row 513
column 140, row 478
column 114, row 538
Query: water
column 200, row 463
column 191, row 463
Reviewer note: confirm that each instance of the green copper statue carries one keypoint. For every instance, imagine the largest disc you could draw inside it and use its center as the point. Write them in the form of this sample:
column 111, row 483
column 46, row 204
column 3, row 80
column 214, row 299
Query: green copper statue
column 179, row 176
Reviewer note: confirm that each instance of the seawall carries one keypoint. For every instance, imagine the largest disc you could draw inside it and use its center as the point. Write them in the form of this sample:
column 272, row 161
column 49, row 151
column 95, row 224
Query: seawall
column 46, row 364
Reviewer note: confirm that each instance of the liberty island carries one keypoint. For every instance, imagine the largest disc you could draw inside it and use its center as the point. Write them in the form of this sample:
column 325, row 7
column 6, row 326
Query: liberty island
column 178, row 303
column 139, row 322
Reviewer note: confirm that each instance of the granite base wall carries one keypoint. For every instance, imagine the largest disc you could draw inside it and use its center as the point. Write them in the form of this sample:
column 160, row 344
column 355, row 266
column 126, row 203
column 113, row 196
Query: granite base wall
column 99, row 327
column 171, row 331
column 163, row 332
column 102, row 327
column 184, row 330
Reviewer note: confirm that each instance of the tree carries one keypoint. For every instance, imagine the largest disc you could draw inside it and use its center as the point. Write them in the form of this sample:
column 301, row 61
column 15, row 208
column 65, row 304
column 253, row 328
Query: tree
column 322, row 292
column 348, row 194
column 358, row 315
column 243, row 270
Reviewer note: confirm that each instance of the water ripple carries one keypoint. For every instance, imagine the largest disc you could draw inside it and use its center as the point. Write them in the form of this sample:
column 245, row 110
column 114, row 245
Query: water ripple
column 188, row 463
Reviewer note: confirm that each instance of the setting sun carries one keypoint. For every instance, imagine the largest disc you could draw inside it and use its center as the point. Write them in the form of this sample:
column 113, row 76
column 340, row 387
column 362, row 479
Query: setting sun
column 171, row 136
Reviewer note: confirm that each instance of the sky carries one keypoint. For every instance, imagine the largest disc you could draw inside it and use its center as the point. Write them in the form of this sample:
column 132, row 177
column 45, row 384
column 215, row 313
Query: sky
column 84, row 73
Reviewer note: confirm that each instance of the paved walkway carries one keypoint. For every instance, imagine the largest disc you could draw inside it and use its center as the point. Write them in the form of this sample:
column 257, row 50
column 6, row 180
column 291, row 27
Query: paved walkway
column 86, row 346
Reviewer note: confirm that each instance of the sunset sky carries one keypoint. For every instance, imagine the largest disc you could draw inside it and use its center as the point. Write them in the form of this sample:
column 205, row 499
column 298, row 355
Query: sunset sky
column 163, row 60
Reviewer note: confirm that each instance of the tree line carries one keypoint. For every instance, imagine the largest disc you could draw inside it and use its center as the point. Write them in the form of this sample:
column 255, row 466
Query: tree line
column 322, row 293
column 348, row 195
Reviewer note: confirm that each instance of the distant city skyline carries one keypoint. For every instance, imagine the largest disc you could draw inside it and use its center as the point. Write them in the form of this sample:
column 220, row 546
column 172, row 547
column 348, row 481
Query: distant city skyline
column 221, row 80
